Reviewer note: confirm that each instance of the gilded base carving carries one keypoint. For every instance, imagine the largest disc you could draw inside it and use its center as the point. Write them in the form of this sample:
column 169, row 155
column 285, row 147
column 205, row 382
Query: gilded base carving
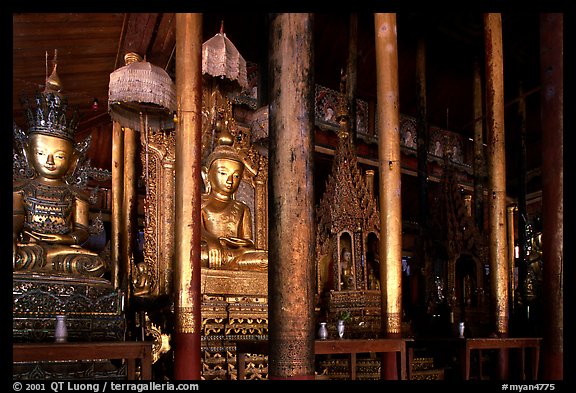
column 339, row 368
column 90, row 370
column 228, row 317
column 231, row 282
column 365, row 310
column 92, row 305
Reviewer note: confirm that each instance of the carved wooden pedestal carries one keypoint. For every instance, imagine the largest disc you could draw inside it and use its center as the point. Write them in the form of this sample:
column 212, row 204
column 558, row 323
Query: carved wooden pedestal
column 234, row 308
column 94, row 314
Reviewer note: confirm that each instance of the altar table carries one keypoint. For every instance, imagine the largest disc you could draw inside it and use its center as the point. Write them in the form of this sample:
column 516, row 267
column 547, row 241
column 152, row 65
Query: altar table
column 521, row 343
column 129, row 350
column 463, row 348
column 332, row 347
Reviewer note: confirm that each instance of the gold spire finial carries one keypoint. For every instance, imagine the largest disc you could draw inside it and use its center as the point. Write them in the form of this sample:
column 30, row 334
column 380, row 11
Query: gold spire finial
column 132, row 57
column 53, row 82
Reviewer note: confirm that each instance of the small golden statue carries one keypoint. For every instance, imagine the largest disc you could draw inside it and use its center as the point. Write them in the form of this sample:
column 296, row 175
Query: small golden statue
column 50, row 216
column 226, row 222
column 347, row 276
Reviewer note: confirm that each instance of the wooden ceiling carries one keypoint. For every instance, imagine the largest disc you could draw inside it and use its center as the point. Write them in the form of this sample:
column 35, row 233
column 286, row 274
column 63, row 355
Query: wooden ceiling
column 92, row 45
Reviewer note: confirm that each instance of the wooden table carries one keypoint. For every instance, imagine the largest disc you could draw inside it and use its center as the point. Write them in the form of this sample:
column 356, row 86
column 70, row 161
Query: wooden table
column 331, row 347
column 479, row 344
column 438, row 348
column 129, row 350
column 355, row 346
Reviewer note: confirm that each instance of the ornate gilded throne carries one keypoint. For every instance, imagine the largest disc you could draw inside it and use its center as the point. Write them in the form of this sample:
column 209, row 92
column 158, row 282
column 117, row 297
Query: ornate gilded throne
column 92, row 306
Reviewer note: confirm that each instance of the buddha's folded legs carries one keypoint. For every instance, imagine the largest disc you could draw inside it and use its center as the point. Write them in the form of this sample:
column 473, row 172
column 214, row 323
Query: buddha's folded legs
column 240, row 258
column 59, row 258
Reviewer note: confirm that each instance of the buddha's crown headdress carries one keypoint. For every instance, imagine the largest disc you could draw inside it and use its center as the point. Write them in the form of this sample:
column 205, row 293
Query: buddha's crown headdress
column 48, row 113
column 225, row 149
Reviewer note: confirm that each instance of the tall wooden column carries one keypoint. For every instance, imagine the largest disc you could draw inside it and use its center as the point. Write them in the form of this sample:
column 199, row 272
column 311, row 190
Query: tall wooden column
column 497, row 177
column 552, row 77
column 188, row 186
column 352, row 73
column 390, row 187
column 422, row 145
column 521, row 314
column 479, row 159
column 117, row 196
column 291, row 199
column 129, row 210
column 512, row 209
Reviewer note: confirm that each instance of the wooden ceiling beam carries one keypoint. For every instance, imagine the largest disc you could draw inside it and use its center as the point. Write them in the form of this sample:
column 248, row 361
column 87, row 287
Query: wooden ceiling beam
column 164, row 43
column 139, row 31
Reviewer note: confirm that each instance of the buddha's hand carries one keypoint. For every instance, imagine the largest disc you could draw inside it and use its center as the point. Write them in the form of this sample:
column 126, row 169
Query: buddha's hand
column 235, row 242
column 48, row 237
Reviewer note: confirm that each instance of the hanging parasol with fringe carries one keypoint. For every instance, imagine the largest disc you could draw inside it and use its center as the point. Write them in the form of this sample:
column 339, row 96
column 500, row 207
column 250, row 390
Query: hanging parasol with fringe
column 221, row 59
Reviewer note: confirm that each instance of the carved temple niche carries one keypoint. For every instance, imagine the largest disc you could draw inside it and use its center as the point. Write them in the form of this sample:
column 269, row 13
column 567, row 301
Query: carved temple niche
column 467, row 281
column 347, row 236
column 346, row 262
column 372, row 259
column 459, row 254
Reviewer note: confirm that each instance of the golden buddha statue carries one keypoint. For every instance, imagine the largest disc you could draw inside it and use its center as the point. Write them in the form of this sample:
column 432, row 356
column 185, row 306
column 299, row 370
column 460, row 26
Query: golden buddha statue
column 347, row 277
column 50, row 216
column 226, row 223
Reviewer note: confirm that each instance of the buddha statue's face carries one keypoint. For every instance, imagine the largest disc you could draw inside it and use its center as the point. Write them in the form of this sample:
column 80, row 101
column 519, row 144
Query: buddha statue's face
column 224, row 175
column 50, row 156
column 346, row 257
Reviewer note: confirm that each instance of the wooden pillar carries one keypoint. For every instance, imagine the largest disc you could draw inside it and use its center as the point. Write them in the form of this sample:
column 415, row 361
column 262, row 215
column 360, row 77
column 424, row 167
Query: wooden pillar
column 188, row 186
column 479, row 158
column 422, row 144
column 118, row 269
column 552, row 77
column 521, row 315
column 291, row 198
column 389, row 186
column 129, row 210
column 423, row 138
column 512, row 209
column 352, row 73
column 497, row 178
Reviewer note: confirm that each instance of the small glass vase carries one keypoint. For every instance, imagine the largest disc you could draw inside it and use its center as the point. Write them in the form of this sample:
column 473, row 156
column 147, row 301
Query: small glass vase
column 323, row 331
column 340, row 328
column 61, row 331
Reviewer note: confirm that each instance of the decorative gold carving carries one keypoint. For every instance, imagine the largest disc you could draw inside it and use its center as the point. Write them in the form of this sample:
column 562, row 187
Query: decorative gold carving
column 453, row 234
column 348, row 223
column 225, row 319
column 158, row 159
column 185, row 322
column 291, row 358
column 393, row 323
column 161, row 342
column 347, row 210
column 231, row 282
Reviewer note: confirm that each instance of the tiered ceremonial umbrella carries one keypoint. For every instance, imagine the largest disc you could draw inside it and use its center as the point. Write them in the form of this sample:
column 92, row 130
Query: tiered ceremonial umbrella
column 139, row 93
column 221, row 59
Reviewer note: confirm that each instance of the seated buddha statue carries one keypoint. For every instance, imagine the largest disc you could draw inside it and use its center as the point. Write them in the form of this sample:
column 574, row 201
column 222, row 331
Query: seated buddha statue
column 346, row 270
column 226, row 223
column 50, row 216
